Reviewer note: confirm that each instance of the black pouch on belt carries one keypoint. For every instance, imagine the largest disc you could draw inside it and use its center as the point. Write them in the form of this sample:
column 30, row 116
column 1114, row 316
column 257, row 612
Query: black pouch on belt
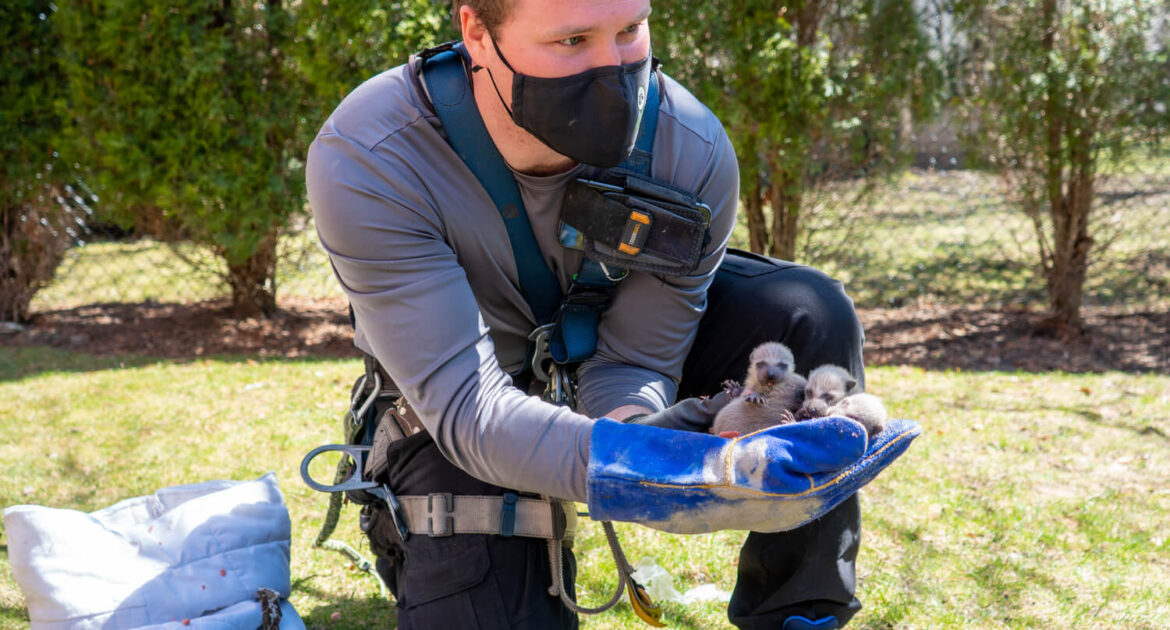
column 633, row 222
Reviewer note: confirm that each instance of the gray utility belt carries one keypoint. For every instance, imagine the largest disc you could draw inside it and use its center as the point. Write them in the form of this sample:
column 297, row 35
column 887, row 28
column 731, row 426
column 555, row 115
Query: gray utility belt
column 443, row 513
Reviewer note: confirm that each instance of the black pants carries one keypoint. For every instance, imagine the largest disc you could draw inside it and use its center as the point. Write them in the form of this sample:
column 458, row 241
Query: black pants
column 808, row 571
column 471, row 581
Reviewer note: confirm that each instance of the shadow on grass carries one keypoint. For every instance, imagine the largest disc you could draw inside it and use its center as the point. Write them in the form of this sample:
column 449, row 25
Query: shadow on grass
column 955, row 273
column 351, row 612
column 1091, row 413
column 21, row 362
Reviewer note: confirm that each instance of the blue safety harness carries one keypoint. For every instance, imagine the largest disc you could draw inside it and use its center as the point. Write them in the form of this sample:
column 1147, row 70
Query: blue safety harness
column 566, row 323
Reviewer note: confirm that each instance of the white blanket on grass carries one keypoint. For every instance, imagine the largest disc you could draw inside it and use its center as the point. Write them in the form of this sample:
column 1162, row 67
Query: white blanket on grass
column 189, row 556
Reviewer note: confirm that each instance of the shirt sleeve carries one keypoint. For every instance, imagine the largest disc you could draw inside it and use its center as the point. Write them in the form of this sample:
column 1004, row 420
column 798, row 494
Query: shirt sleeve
column 419, row 316
column 650, row 326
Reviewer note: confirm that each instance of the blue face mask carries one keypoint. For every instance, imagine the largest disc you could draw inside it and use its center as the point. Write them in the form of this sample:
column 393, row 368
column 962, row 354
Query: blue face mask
column 591, row 117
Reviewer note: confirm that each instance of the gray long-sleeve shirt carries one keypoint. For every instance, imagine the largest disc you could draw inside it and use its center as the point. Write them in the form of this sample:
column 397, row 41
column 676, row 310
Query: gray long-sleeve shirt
column 421, row 251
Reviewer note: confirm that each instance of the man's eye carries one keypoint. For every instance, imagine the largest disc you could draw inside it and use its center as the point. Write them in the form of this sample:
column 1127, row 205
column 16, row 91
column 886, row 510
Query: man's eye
column 633, row 28
column 571, row 41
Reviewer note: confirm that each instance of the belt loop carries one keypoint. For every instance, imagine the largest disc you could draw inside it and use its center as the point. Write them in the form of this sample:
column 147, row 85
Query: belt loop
column 508, row 515
column 444, row 513
column 560, row 520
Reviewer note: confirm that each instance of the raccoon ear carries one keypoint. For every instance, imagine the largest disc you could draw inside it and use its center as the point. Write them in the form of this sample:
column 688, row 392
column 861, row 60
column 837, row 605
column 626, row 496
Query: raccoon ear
column 850, row 384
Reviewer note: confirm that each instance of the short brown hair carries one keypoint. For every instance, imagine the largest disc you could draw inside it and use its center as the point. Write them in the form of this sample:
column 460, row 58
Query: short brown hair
column 491, row 12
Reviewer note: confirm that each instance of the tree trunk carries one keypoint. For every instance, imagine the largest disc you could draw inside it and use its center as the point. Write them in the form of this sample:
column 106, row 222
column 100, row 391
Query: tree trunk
column 1071, row 244
column 786, row 191
column 1070, row 202
column 253, row 281
column 754, row 208
column 785, row 197
column 32, row 244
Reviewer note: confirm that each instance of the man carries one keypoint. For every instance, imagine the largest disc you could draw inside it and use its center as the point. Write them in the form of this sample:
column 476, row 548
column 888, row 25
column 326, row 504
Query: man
column 423, row 254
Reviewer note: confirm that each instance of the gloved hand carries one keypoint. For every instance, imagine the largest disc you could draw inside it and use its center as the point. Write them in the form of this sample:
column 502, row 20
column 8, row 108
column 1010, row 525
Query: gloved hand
column 691, row 414
column 768, row 481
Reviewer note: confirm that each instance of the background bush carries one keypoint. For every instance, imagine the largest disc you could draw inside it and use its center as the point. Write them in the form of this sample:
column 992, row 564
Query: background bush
column 190, row 124
column 33, row 236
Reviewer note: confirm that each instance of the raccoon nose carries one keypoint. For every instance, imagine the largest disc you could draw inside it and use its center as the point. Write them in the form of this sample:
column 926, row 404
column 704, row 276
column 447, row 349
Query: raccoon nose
column 816, row 408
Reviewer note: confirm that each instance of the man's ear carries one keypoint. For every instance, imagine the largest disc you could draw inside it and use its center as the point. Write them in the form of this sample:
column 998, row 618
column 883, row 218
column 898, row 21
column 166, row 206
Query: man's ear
column 475, row 34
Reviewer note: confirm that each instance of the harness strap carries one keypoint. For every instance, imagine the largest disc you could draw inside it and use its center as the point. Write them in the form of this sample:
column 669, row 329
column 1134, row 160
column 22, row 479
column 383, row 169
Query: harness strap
column 574, row 336
column 445, row 73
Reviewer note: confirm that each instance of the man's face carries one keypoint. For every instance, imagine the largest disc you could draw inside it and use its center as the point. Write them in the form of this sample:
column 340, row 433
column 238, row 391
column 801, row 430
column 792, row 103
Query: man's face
column 548, row 39
column 556, row 38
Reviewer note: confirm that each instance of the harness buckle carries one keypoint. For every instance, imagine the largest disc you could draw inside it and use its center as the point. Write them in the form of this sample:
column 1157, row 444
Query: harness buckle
column 446, row 509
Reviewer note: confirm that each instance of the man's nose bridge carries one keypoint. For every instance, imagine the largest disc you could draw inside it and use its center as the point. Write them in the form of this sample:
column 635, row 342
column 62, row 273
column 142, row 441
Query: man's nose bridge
column 608, row 53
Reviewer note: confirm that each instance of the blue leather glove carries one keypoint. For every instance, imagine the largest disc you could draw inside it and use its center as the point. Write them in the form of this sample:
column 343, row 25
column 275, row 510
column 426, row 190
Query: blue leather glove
column 772, row 480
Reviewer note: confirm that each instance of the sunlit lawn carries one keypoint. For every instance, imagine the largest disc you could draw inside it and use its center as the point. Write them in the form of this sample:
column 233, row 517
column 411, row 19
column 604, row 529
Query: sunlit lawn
column 1031, row 500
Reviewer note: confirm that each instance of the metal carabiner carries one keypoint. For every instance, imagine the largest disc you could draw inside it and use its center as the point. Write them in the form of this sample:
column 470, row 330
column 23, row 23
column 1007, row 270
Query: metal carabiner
column 358, row 453
column 355, row 481
column 357, row 414
column 560, row 387
column 541, row 355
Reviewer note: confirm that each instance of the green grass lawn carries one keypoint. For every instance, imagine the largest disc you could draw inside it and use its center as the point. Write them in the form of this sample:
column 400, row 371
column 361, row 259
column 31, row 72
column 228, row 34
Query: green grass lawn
column 1030, row 501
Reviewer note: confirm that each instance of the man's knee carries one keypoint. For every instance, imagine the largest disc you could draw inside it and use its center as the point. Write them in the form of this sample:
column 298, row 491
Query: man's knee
column 818, row 312
column 755, row 299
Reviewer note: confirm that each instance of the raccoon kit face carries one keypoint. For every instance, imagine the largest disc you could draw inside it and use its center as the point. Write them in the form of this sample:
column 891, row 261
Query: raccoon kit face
column 770, row 363
column 826, row 386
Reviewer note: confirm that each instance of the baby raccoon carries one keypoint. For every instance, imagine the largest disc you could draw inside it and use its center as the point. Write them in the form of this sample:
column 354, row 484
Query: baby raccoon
column 864, row 408
column 771, row 392
column 827, row 385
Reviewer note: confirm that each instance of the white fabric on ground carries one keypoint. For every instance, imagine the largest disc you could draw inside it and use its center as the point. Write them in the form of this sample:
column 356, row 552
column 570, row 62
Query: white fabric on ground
column 195, row 552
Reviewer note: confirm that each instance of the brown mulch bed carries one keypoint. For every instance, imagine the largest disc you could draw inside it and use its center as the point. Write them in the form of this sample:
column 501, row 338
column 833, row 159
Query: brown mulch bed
column 970, row 338
column 300, row 328
column 933, row 337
